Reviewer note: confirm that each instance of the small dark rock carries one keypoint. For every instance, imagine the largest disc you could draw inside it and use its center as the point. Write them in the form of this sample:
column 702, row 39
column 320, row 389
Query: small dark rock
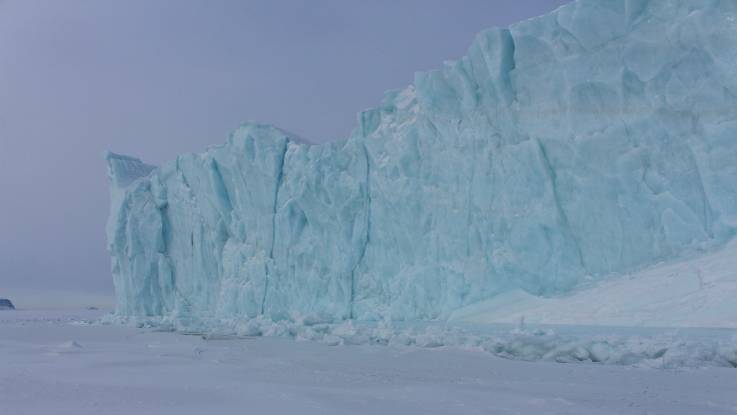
column 6, row 304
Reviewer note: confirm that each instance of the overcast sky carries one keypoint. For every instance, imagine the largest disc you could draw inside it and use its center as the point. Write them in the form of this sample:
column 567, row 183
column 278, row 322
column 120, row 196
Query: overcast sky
column 154, row 78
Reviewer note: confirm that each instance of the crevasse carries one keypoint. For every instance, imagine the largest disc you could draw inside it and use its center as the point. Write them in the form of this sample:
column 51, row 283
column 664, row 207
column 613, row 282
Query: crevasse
column 594, row 140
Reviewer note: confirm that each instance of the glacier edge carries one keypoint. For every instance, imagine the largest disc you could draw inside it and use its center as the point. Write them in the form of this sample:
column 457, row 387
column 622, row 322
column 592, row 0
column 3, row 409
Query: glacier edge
column 557, row 150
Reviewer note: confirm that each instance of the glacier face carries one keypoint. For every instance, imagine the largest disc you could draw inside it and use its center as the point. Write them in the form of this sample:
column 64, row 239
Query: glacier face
column 597, row 139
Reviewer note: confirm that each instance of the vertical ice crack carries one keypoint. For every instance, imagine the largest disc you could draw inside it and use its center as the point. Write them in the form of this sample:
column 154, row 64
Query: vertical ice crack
column 469, row 198
column 277, row 187
column 507, row 65
column 223, row 202
column 187, row 304
column 367, row 235
column 706, row 211
column 556, row 199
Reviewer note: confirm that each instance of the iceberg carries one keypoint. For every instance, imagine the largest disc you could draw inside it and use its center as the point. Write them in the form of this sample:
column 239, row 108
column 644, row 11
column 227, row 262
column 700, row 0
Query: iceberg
column 592, row 141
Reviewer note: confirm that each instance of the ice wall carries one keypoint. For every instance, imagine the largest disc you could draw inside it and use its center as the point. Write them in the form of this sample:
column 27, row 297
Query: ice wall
column 596, row 139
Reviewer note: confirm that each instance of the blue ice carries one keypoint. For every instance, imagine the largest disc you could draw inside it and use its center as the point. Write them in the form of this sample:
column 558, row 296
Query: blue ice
column 594, row 140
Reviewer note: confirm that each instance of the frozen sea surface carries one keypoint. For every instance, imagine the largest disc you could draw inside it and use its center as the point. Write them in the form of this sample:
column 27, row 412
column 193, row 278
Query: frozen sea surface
column 56, row 362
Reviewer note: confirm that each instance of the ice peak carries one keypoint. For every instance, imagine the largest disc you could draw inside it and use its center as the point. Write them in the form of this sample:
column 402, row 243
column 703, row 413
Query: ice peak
column 123, row 170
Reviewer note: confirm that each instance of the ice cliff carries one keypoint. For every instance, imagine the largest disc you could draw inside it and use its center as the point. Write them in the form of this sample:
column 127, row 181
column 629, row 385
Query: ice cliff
column 597, row 139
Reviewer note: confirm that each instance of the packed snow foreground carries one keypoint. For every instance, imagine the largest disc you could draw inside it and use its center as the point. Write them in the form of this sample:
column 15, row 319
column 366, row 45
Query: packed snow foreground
column 586, row 144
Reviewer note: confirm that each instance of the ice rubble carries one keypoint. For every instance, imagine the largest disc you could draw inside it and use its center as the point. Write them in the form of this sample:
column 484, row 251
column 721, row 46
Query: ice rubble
column 651, row 348
column 597, row 139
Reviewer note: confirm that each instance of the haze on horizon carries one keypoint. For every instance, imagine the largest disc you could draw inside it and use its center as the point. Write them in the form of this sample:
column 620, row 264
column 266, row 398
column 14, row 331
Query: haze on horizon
column 155, row 79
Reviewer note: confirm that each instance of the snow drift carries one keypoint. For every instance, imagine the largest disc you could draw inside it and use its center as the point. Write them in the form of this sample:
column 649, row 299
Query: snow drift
column 595, row 140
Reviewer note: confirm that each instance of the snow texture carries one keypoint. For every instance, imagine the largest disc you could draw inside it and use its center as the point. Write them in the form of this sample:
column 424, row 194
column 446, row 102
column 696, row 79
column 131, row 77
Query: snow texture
column 595, row 140
column 697, row 292
column 54, row 362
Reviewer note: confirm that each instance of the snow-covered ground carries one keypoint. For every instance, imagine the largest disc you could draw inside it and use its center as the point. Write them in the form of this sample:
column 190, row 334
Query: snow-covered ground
column 696, row 292
column 53, row 362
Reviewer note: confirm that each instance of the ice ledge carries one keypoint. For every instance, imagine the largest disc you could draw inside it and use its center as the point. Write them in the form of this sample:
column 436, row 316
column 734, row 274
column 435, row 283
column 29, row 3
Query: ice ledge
column 124, row 170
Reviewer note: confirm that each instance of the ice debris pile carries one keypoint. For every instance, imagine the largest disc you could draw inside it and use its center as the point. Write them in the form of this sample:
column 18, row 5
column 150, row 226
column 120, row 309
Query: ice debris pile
column 654, row 348
column 597, row 139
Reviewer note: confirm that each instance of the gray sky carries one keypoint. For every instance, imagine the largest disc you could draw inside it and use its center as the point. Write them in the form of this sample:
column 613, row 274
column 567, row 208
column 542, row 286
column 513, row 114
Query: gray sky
column 155, row 78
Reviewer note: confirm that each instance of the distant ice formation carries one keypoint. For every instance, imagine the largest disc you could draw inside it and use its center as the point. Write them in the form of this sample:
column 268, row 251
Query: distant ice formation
column 6, row 304
column 595, row 140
